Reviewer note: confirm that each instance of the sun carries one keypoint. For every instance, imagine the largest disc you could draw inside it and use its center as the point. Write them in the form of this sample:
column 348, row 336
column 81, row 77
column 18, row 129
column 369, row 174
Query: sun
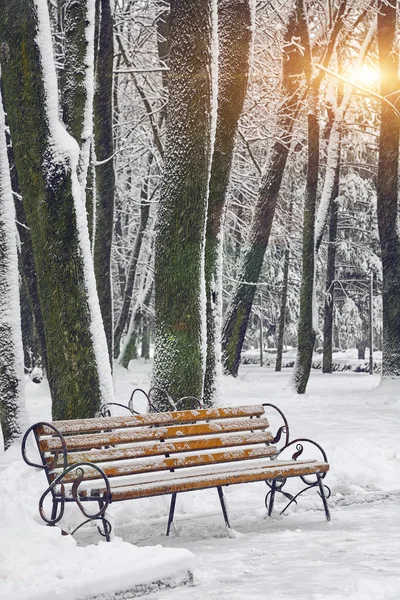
column 366, row 76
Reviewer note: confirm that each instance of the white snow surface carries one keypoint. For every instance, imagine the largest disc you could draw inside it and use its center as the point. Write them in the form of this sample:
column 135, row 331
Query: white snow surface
column 297, row 556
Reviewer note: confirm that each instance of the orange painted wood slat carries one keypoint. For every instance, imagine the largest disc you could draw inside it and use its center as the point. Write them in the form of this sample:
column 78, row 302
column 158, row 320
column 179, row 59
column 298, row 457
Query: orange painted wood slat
column 97, row 440
column 167, row 418
column 180, row 483
column 164, row 464
column 141, row 450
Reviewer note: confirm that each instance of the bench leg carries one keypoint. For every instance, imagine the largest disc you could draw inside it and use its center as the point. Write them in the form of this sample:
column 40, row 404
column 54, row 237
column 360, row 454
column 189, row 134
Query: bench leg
column 324, row 500
column 171, row 512
column 272, row 497
column 106, row 524
column 223, row 506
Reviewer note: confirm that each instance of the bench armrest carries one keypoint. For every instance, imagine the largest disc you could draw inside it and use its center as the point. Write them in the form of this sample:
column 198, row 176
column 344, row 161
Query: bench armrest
column 104, row 499
column 299, row 445
column 283, row 429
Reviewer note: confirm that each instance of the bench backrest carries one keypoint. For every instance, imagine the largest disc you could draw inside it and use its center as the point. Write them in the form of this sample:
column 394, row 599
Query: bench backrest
column 156, row 441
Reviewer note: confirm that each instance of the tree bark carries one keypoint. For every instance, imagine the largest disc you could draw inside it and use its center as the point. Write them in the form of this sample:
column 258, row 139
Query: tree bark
column 308, row 314
column 234, row 35
column 307, row 326
column 13, row 417
column 130, row 281
column 235, row 325
column 285, row 286
column 46, row 158
column 330, row 276
column 387, row 189
column 105, row 175
column 26, row 264
column 129, row 350
column 179, row 247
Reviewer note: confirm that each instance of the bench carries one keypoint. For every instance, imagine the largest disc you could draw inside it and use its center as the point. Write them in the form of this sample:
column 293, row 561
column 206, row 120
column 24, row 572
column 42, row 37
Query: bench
column 94, row 462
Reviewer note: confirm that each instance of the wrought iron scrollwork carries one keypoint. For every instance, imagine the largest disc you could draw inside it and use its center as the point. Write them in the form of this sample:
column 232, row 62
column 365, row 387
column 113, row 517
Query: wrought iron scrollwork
column 156, row 391
column 56, row 454
column 130, row 403
column 196, row 401
column 299, row 442
column 105, row 498
column 284, row 429
column 106, row 412
column 277, row 485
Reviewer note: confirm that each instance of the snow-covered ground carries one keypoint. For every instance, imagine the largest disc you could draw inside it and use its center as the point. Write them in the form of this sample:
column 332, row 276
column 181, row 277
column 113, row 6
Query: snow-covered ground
column 297, row 556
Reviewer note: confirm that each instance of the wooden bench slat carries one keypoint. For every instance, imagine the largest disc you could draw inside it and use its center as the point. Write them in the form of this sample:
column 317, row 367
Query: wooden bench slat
column 164, row 464
column 181, row 483
column 172, row 447
column 97, row 440
column 182, row 416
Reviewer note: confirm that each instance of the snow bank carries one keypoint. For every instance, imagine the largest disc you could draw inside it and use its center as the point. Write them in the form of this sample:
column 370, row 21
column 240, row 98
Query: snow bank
column 38, row 562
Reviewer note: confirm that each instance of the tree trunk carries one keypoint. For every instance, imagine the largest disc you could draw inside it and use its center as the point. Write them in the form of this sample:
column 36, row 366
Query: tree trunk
column 105, row 175
column 46, row 158
column 13, row 417
column 308, row 317
column 77, row 84
column 285, row 286
column 145, row 350
column 387, row 189
column 129, row 349
column 235, row 325
column 127, row 297
column 330, row 277
column 307, row 327
column 234, row 35
column 26, row 263
column 180, row 333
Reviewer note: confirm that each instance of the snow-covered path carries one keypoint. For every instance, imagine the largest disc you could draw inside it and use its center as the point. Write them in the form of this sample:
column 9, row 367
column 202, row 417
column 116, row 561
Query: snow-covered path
column 356, row 556
column 299, row 556
column 295, row 557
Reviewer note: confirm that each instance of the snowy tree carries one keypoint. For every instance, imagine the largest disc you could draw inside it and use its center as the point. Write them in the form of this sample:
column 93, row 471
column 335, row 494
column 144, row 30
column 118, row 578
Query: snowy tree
column 47, row 158
column 236, row 320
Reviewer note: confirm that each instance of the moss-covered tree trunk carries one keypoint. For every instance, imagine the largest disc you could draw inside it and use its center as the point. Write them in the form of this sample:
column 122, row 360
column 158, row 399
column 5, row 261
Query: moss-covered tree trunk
column 234, row 37
column 105, row 175
column 387, row 189
column 235, row 325
column 46, row 157
column 13, row 418
column 31, row 315
column 180, row 334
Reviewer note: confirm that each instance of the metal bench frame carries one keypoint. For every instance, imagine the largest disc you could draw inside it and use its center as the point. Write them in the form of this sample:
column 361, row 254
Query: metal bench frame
column 59, row 498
